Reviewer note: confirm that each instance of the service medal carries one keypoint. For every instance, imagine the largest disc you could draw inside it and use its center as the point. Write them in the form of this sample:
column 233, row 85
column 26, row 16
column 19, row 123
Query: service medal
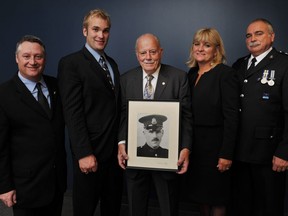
column 263, row 80
column 271, row 82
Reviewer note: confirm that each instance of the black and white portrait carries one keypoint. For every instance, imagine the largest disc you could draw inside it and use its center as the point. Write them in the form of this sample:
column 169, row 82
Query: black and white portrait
column 152, row 137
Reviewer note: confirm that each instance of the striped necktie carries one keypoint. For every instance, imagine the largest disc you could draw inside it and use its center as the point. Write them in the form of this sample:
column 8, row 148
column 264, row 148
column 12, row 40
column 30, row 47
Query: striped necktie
column 103, row 64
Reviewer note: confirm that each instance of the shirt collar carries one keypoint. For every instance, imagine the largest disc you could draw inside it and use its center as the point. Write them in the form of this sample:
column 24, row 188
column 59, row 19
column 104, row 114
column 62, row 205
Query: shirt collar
column 260, row 57
column 31, row 85
column 95, row 54
column 155, row 74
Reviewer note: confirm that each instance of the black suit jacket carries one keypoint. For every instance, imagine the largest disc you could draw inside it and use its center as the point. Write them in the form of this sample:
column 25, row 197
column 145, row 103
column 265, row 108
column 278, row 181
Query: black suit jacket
column 91, row 107
column 215, row 103
column 32, row 148
column 172, row 84
column 264, row 110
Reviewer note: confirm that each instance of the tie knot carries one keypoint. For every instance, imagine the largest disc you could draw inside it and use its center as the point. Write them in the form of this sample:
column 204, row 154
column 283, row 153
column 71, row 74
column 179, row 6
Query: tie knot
column 38, row 86
column 254, row 60
column 149, row 77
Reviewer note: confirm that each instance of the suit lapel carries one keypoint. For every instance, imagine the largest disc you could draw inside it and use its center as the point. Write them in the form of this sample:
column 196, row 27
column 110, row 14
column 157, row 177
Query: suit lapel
column 97, row 69
column 53, row 95
column 27, row 98
column 161, row 83
column 138, row 81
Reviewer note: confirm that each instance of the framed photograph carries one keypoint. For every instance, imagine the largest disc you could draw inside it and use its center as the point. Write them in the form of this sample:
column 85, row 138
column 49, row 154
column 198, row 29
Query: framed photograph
column 153, row 134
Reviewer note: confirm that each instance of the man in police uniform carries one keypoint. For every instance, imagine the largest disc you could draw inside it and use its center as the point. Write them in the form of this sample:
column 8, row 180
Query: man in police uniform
column 153, row 132
column 261, row 157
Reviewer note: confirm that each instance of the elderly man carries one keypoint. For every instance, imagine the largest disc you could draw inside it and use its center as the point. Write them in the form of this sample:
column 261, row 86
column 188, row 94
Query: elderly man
column 153, row 80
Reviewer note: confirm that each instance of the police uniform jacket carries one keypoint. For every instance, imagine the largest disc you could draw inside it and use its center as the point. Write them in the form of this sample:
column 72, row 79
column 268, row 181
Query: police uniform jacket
column 147, row 151
column 263, row 110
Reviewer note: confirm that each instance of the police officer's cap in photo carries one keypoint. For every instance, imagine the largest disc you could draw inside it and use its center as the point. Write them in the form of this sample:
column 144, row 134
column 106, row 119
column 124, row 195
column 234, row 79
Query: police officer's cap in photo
column 153, row 122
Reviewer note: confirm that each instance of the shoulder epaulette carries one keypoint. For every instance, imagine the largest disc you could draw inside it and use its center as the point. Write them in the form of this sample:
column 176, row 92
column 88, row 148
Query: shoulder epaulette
column 284, row 53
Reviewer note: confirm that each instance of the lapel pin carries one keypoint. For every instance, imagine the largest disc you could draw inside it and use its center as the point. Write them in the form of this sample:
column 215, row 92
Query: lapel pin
column 163, row 83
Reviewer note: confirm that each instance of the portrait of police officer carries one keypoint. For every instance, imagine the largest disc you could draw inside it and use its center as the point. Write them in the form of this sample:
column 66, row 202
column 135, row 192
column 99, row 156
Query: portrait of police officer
column 153, row 133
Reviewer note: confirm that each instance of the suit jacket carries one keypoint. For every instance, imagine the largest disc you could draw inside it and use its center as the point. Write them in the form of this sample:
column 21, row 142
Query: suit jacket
column 215, row 103
column 32, row 147
column 172, row 84
column 91, row 106
column 264, row 110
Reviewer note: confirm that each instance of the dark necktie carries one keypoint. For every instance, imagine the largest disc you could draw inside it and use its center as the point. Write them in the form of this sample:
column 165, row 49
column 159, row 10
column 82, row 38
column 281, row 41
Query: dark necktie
column 148, row 90
column 252, row 65
column 103, row 64
column 42, row 99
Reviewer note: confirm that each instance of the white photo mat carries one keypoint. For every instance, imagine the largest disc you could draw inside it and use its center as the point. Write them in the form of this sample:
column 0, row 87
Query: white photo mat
column 170, row 139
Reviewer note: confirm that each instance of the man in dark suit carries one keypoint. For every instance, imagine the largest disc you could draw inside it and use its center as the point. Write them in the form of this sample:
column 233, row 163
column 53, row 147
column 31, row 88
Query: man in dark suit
column 32, row 147
column 261, row 156
column 153, row 132
column 163, row 82
column 89, row 86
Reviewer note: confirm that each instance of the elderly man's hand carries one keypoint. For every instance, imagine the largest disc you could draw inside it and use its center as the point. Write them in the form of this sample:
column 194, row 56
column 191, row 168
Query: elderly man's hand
column 9, row 198
column 122, row 156
column 183, row 161
column 279, row 165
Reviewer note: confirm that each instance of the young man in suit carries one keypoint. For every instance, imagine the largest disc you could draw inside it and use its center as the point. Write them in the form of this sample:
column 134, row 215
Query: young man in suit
column 32, row 147
column 89, row 86
column 261, row 156
column 168, row 83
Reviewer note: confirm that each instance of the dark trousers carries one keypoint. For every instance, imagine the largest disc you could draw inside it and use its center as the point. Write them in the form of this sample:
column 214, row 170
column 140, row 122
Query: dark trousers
column 257, row 190
column 52, row 209
column 104, row 186
column 139, row 187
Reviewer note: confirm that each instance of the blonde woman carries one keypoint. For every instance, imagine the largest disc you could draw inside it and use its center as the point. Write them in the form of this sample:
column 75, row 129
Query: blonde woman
column 215, row 110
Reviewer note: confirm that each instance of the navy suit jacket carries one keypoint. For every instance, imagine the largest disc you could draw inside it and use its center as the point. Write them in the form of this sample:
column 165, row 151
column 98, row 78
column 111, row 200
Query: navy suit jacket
column 32, row 147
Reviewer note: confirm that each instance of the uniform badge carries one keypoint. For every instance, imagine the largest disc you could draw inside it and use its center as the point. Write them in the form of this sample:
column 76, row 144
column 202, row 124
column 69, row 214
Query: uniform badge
column 265, row 96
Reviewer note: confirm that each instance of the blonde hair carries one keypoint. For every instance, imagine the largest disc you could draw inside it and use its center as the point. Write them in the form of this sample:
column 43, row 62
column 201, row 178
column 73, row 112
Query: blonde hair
column 96, row 13
column 211, row 36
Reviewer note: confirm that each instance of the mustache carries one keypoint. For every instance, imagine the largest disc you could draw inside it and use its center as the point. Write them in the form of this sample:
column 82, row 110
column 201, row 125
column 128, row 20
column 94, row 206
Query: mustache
column 253, row 44
column 148, row 61
column 155, row 139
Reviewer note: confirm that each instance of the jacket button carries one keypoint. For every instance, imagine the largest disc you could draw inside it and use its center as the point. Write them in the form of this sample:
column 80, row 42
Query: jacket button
column 245, row 81
column 242, row 95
